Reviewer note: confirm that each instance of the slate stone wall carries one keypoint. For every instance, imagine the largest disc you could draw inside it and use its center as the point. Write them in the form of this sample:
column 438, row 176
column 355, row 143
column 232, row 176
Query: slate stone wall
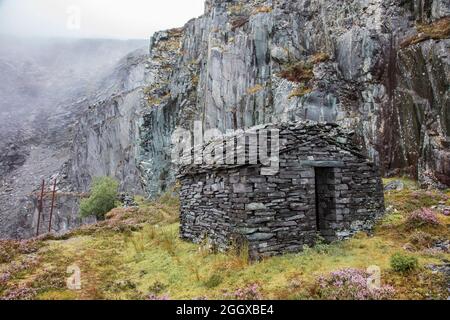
column 277, row 214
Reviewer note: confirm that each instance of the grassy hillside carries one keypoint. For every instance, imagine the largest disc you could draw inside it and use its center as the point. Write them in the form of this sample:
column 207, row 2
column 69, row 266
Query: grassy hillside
column 136, row 254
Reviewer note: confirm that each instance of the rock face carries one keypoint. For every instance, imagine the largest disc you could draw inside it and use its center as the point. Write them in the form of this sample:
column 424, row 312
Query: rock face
column 379, row 67
column 321, row 185
column 69, row 111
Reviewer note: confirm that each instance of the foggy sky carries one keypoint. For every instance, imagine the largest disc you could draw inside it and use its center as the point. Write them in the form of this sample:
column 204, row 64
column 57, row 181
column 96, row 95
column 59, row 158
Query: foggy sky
column 123, row 19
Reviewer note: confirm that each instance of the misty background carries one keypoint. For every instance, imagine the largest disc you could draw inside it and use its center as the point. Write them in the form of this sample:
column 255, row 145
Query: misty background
column 56, row 52
column 58, row 57
column 115, row 19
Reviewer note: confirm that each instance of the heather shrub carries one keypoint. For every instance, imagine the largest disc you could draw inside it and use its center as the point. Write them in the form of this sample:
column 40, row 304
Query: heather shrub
column 4, row 278
column 20, row 292
column 248, row 292
column 102, row 199
column 422, row 217
column 11, row 248
column 403, row 263
column 8, row 250
column 155, row 297
column 350, row 284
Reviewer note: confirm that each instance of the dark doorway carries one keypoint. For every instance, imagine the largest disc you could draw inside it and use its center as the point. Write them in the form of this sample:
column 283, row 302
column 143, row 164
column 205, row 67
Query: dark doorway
column 325, row 202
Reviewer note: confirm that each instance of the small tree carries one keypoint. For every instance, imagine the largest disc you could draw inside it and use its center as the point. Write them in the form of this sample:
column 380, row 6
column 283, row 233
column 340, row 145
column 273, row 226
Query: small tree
column 102, row 199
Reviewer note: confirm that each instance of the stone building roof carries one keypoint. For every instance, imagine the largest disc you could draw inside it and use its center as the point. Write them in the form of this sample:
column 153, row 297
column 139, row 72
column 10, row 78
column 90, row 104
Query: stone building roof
column 291, row 135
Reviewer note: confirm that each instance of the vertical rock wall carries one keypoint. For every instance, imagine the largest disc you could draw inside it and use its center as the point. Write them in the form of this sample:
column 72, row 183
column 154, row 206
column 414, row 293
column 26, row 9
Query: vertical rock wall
column 245, row 63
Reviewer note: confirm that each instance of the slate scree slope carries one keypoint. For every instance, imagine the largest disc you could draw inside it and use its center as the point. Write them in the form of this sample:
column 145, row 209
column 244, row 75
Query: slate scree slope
column 377, row 67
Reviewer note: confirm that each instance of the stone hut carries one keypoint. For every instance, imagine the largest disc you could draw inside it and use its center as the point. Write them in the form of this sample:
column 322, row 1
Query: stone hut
column 323, row 185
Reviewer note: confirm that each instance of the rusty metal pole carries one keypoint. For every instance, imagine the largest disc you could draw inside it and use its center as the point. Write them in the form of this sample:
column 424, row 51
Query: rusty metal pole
column 40, row 207
column 51, row 210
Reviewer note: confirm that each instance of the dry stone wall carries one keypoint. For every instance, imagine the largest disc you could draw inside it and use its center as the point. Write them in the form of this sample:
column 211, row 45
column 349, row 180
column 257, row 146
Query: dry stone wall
column 283, row 212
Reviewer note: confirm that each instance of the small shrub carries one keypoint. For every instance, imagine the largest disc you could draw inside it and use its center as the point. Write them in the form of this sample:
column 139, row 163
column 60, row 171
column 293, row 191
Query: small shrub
column 213, row 281
column 422, row 217
column 102, row 199
column 320, row 246
column 350, row 284
column 402, row 263
column 248, row 292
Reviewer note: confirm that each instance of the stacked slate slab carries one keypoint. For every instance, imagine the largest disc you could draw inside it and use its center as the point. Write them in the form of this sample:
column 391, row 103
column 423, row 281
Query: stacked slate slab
column 325, row 186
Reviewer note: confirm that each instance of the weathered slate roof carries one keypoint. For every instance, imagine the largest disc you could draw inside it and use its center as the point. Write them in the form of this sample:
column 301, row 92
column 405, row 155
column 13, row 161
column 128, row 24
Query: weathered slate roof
column 291, row 135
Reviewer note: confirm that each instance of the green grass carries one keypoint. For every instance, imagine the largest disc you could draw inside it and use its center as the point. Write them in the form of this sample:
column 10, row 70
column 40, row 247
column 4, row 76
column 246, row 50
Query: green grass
column 136, row 252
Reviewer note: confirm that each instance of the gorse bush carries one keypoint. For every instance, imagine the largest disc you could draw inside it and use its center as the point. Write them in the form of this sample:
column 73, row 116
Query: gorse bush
column 102, row 199
column 403, row 263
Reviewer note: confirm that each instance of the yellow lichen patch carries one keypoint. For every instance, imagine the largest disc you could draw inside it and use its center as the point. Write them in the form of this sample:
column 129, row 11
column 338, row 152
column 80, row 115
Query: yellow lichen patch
column 262, row 9
column 319, row 57
column 255, row 89
column 299, row 92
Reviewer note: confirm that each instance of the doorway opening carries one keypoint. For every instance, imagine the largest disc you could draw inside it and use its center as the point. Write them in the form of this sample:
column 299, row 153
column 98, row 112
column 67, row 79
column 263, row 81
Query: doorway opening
column 325, row 202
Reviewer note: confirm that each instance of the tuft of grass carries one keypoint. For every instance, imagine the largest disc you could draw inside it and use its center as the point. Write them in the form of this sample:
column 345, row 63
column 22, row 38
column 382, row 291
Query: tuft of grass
column 439, row 29
column 300, row 72
column 407, row 200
